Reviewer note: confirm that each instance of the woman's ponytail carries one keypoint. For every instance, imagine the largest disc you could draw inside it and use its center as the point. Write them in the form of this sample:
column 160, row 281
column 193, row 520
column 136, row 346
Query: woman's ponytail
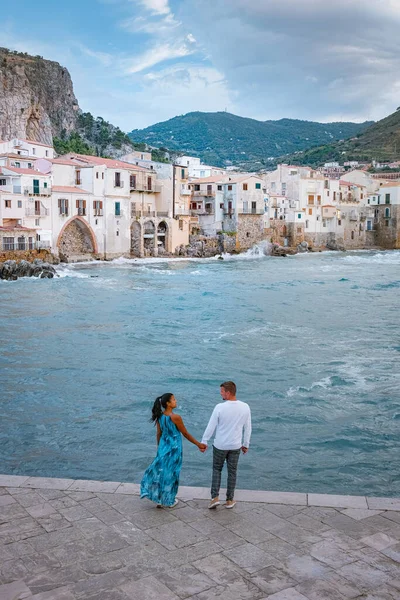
column 159, row 405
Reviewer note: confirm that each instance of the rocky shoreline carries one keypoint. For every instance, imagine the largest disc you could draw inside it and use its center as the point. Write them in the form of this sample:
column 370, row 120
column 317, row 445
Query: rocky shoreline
column 11, row 270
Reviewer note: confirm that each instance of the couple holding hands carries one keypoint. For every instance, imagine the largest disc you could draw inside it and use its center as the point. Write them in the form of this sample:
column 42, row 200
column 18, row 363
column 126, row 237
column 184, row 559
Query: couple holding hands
column 231, row 424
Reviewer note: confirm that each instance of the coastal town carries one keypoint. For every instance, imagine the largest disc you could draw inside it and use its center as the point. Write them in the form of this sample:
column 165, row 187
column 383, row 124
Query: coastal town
column 80, row 207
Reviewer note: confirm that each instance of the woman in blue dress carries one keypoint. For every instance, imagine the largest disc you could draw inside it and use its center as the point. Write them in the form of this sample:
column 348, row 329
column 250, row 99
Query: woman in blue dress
column 161, row 479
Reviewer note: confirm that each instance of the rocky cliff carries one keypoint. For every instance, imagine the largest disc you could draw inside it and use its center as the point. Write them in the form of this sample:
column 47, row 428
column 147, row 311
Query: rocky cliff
column 37, row 100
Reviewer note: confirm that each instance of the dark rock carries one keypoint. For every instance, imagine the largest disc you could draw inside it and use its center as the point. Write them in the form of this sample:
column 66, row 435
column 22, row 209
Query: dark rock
column 23, row 269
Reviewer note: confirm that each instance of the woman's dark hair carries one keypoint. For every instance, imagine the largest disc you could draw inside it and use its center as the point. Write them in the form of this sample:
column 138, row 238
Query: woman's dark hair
column 158, row 406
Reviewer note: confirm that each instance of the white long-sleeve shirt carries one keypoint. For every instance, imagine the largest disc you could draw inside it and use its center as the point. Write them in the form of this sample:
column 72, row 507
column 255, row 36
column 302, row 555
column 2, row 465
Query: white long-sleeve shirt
column 228, row 420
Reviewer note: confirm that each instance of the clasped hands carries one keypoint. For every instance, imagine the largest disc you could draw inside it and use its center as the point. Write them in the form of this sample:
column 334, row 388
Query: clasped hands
column 203, row 448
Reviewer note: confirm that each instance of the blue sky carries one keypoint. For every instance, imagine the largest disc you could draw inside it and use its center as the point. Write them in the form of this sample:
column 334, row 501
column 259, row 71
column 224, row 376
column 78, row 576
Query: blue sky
column 137, row 62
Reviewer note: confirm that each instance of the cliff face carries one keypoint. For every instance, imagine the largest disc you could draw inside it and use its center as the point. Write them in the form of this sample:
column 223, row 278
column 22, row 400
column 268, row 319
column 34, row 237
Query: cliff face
column 37, row 100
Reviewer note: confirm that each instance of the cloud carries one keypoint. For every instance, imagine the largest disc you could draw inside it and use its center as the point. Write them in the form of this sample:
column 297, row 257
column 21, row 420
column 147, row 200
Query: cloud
column 154, row 56
column 302, row 58
column 156, row 7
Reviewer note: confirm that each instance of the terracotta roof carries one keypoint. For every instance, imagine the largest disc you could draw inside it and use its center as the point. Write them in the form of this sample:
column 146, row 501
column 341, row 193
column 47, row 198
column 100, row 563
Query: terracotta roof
column 69, row 189
column 65, row 161
column 19, row 156
column 10, row 227
column 110, row 163
column 22, row 171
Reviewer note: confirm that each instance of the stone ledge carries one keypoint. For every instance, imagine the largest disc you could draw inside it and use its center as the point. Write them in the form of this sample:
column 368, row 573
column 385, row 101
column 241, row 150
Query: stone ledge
column 203, row 493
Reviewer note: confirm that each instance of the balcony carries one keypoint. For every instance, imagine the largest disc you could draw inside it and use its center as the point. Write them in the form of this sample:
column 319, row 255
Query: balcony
column 182, row 212
column 251, row 211
column 35, row 211
column 11, row 189
column 119, row 184
column 204, row 193
column 33, row 190
column 185, row 193
column 136, row 214
column 143, row 187
column 202, row 211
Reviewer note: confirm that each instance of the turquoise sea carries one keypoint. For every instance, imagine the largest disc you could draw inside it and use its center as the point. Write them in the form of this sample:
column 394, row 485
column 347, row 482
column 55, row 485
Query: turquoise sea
column 312, row 341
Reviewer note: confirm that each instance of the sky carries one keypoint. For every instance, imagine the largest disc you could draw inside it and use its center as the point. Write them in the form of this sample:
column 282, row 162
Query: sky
column 138, row 62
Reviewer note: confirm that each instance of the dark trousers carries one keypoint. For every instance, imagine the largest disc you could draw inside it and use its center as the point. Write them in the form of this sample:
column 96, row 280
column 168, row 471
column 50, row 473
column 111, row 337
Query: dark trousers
column 219, row 457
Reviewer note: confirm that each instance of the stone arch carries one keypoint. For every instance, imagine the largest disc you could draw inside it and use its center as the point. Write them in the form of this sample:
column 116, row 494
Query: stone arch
column 163, row 237
column 136, row 239
column 76, row 239
column 149, row 232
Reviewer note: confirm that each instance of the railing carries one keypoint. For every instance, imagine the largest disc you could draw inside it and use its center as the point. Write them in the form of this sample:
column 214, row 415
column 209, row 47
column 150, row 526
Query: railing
column 162, row 213
column 33, row 211
column 209, row 193
column 98, row 212
column 143, row 213
column 251, row 211
column 185, row 193
column 33, row 190
column 182, row 212
column 143, row 187
column 203, row 211
column 82, row 212
column 43, row 244
column 119, row 184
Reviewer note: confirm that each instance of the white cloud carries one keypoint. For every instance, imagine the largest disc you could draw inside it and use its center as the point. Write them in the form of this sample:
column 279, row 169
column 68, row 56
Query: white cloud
column 154, row 56
column 156, row 7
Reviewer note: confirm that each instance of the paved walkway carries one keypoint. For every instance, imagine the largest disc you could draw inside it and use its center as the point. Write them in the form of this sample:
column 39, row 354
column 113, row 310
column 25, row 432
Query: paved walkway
column 67, row 540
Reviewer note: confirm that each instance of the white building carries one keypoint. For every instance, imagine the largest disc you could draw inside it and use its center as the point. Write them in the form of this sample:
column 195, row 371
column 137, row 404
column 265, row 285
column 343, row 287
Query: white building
column 26, row 148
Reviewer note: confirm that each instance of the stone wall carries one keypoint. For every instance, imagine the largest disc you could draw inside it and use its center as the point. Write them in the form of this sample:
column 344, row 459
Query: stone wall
column 250, row 231
column 201, row 246
column 387, row 230
column 28, row 255
column 75, row 241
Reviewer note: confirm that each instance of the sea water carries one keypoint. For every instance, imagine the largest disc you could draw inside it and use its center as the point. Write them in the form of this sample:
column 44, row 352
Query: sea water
column 312, row 342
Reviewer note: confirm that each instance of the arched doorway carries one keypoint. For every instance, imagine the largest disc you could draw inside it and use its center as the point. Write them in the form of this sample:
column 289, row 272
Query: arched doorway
column 76, row 241
column 162, row 237
column 136, row 239
column 148, row 236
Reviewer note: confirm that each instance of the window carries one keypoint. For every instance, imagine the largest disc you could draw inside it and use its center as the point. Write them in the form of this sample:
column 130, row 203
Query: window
column 31, row 244
column 387, row 212
column 97, row 208
column 229, row 188
column 387, row 198
column 323, row 223
column 340, row 196
column 181, row 224
column 45, row 184
column 352, row 235
column 7, row 203
column 339, row 222
column 117, row 233
column 29, row 165
column 81, row 206
column 311, row 199
column 258, row 186
column 310, row 211
column 3, row 181
column 19, row 203
column 78, row 180
column 221, row 205
column 33, row 151
column 117, row 180
column 299, row 215
column 18, row 164
column 369, row 225
column 369, row 201
column 245, row 187
column 102, row 175
column 197, row 187
column 37, row 222
column 318, row 199
column 379, row 200
column 334, row 196
column 132, row 181
column 219, row 188
column 149, row 184
column 21, row 243
column 307, row 224
column 63, row 206
column 8, row 243
column 47, row 152
column 118, row 209
column 97, row 174
column 361, row 196
column 326, row 184
column 318, row 218
column 327, row 193
column 387, row 223
column 182, row 173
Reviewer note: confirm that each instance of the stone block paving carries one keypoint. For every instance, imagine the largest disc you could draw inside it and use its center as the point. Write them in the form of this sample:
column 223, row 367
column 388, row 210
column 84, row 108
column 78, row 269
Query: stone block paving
column 85, row 540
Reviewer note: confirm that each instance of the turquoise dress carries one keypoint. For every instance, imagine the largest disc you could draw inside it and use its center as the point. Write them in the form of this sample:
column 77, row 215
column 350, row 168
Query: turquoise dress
column 161, row 479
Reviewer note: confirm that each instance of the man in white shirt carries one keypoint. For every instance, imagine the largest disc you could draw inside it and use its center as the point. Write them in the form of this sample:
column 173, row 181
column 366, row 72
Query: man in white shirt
column 231, row 422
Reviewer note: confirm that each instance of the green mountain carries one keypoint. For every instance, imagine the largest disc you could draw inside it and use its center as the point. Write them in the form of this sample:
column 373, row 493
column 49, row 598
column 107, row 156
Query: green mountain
column 221, row 138
column 380, row 141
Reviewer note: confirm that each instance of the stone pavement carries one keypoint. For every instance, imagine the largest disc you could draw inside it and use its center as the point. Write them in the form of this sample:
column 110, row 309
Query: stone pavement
column 68, row 540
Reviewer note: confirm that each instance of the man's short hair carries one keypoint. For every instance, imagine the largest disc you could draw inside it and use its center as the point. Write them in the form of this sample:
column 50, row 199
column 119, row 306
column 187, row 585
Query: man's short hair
column 230, row 387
